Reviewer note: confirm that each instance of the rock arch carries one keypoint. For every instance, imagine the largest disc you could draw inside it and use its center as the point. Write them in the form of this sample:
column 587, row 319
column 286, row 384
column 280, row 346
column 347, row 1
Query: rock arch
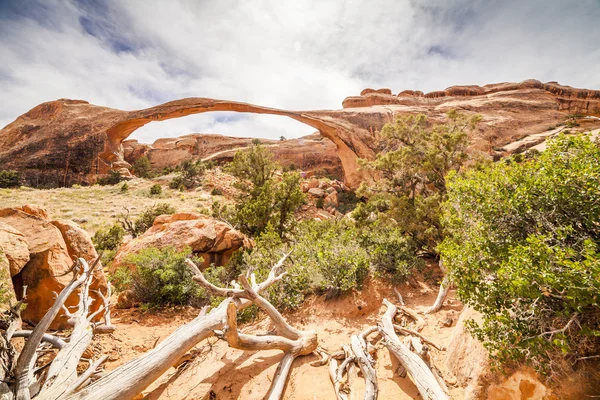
column 63, row 142
column 347, row 138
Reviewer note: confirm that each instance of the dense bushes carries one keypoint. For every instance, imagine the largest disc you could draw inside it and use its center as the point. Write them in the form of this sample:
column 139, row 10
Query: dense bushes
column 159, row 277
column 9, row 179
column 112, row 178
column 523, row 248
column 331, row 257
column 155, row 190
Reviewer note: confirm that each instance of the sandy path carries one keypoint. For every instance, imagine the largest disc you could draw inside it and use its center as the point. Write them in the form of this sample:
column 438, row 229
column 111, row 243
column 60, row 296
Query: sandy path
column 218, row 372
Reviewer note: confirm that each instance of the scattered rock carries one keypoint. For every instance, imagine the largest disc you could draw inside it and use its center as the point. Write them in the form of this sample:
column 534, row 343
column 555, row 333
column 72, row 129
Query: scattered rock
column 126, row 299
column 316, row 192
column 332, row 200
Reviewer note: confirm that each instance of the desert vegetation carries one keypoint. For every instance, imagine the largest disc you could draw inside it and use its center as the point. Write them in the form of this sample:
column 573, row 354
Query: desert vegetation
column 522, row 248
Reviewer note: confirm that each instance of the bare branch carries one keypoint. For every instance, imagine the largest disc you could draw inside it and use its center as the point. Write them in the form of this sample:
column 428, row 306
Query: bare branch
column 48, row 338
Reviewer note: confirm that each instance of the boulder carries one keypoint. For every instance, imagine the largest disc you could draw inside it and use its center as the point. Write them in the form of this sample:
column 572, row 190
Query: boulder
column 313, row 183
column 51, row 254
column 316, row 192
column 34, row 210
column 13, row 246
column 332, row 200
column 126, row 299
column 214, row 240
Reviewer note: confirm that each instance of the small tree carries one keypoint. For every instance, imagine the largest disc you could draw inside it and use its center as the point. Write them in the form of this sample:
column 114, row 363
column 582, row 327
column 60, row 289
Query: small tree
column 411, row 172
column 264, row 199
column 9, row 179
column 142, row 168
column 190, row 172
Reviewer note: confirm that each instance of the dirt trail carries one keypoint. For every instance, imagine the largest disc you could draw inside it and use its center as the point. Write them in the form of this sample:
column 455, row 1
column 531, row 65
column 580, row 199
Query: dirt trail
column 218, row 372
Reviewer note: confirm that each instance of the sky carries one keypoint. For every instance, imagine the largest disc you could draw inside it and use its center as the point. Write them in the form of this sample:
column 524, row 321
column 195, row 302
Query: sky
column 291, row 54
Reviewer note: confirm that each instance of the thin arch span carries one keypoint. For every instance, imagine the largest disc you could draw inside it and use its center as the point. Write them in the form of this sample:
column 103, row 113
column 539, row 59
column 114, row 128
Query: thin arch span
column 327, row 126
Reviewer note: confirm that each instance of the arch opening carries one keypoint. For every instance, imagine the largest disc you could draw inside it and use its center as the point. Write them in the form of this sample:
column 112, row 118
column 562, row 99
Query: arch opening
column 217, row 136
column 226, row 123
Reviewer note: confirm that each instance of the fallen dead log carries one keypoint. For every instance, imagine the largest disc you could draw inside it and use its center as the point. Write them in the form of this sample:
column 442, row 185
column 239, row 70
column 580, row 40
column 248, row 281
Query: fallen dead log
column 365, row 361
column 420, row 373
column 291, row 340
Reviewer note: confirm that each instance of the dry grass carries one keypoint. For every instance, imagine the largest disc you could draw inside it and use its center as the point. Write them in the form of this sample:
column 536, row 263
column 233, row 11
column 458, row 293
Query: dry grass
column 97, row 206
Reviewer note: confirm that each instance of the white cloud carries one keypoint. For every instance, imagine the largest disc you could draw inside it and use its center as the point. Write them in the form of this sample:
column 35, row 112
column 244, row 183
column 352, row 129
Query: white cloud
column 303, row 54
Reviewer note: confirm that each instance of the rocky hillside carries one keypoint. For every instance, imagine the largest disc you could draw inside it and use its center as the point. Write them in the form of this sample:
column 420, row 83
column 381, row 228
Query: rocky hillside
column 71, row 141
column 313, row 154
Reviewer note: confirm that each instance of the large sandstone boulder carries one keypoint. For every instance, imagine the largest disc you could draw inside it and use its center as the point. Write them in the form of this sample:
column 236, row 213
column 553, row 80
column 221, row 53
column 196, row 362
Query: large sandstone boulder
column 214, row 240
column 51, row 254
column 13, row 245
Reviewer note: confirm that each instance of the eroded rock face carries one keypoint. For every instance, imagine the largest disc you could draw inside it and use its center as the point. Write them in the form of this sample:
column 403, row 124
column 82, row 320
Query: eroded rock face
column 214, row 240
column 71, row 141
column 52, row 247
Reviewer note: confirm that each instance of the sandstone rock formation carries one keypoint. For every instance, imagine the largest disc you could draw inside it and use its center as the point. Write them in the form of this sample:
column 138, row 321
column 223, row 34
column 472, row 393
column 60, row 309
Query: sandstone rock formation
column 312, row 154
column 13, row 246
column 51, row 248
column 71, row 141
column 214, row 240
column 467, row 359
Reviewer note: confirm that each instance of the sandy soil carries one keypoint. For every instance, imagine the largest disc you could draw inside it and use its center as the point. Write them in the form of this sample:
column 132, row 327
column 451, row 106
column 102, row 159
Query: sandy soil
column 215, row 371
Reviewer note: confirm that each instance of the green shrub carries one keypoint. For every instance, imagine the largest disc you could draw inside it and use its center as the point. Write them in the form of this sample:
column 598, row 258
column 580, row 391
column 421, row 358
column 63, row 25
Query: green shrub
column 160, row 277
column 155, row 190
column 146, row 218
column 216, row 192
column 107, row 241
column 320, row 203
column 112, row 178
column 392, row 254
column 124, row 187
column 332, row 256
column 177, row 183
column 9, row 179
column 523, row 249
column 142, row 168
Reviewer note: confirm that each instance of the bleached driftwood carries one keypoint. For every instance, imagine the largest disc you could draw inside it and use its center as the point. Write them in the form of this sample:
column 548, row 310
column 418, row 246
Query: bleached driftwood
column 420, row 373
